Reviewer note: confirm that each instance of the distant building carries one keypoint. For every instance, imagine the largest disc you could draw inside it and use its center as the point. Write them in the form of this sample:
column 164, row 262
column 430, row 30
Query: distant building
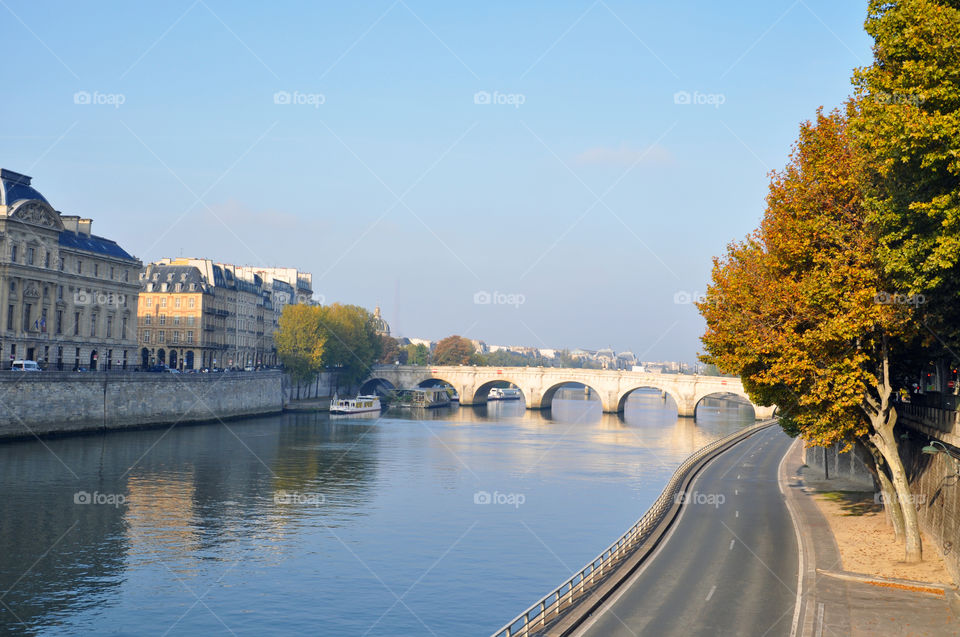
column 381, row 326
column 69, row 296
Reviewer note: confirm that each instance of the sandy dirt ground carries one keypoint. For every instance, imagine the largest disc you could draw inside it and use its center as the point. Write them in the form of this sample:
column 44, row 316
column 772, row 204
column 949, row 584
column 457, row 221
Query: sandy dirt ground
column 866, row 538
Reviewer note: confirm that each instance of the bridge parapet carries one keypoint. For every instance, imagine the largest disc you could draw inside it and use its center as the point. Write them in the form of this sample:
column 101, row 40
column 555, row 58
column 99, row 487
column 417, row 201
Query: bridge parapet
column 539, row 384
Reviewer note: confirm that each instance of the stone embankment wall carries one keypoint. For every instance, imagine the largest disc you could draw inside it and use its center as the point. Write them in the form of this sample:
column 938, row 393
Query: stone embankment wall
column 65, row 402
column 830, row 462
column 935, row 482
column 323, row 386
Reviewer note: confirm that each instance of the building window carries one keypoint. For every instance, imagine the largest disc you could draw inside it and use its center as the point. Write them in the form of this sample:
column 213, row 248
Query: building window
column 93, row 324
column 149, row 301
column 26, row 316
column 79, row 266
column 146, row 336
column 159, row 336
column 190, row 337
column 193, row 302
column 163, row 301
column 175, row 337
column 176, row 320
column 76, row 324
column 61, row 264
column 126, row 277
column 189, row 320
column 176, row 302
column 59, row 321
column 30, row 253
column 109, row 327
column 59, row 292
column 147, row 319
column 43, row 320
column 13, row 287
column 123, row 329
column 10, row 311
column 13, row 253
column 163, row 319
column 46, row 260
column 111, row 273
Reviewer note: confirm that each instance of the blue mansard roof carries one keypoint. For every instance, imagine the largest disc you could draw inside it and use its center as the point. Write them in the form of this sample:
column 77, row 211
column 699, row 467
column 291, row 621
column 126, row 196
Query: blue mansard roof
column 15, row 187
column 93, row 243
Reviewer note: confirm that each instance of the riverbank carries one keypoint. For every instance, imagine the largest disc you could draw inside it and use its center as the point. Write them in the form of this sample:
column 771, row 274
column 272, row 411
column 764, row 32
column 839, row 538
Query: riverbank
column 60, row 403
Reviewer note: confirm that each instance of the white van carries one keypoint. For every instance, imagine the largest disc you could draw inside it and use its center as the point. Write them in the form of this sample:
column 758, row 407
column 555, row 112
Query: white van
column 25, row 366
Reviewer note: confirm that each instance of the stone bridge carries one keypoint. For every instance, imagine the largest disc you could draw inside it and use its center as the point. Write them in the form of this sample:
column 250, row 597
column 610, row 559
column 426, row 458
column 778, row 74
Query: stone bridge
column 539, row 384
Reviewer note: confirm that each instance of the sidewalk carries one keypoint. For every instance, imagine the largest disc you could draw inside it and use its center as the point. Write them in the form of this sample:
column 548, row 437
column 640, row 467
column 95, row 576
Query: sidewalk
column 835, row 602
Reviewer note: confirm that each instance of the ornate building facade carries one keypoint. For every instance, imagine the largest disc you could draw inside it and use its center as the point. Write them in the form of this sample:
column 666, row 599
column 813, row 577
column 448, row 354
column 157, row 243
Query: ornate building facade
column 68, row 297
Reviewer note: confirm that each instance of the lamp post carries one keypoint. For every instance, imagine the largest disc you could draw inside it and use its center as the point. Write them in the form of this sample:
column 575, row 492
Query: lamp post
column 935, row 447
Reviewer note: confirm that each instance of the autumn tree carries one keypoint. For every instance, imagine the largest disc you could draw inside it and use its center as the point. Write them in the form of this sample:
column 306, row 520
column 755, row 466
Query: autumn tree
column 793, row 311
column 389, row 349
column 454, row 350
column 300, row 341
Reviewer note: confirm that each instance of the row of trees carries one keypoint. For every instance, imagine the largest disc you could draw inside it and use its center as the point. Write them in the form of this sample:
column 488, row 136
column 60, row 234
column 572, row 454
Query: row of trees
column 851, row 283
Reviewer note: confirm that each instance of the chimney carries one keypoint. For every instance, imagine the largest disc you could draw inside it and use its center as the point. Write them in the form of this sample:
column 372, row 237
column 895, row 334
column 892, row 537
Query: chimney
column 84, row 225
column 70, row 222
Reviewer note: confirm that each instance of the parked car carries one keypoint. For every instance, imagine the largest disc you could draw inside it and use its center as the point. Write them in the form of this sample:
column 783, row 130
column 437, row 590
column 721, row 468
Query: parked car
column 25, row 366
column 248, row 368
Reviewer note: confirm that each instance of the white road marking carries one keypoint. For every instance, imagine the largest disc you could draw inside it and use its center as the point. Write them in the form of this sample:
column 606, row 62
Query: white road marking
column 736, row 492
column 738, row 476
column 736, row 514
column 795, row 628
column 820, row 619
column 712, row 591
column 732, row 542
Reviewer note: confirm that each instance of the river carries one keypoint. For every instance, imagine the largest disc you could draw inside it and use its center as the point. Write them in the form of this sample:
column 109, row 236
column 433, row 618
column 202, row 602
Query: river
column 448, row 522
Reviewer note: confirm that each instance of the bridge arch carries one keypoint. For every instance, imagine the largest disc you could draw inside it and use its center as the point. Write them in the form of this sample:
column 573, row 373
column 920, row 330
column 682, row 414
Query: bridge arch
column 482, row 390
column 665, row 394
column 376, row 385
column 742, row 398
column 546, row 399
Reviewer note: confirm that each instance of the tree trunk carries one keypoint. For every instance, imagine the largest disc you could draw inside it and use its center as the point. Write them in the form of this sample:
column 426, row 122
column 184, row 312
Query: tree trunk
column 883, row 418
column 886, row 445
column 891, row 505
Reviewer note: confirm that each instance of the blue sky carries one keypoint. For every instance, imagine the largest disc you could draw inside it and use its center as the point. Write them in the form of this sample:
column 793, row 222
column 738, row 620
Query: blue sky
column 413, row 154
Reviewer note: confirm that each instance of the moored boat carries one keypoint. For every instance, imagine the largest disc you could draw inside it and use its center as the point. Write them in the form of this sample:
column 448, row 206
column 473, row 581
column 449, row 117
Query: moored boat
column 504, row 393
column 358, row 405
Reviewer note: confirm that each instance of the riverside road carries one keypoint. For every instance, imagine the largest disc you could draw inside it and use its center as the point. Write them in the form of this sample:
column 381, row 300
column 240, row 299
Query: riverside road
column 729, row 565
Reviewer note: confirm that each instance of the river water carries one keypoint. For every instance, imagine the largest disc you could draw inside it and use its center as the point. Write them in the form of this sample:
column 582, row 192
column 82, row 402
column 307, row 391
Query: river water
column 448, row 522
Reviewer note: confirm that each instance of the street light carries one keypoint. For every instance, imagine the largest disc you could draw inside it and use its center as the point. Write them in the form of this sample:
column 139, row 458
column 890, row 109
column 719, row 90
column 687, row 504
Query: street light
column 936, row 447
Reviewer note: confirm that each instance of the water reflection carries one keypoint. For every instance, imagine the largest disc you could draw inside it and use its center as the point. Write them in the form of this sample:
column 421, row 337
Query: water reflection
column 303, row 523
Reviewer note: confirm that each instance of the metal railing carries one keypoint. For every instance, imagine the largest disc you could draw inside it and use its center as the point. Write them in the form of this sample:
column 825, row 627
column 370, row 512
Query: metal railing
column 942, row 419
column 553, row 603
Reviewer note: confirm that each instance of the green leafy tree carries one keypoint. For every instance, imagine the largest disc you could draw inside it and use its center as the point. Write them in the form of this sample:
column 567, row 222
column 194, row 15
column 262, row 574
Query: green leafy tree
column 907, row 126
column 418, row 354
column 389, row 350
column 352, row 344
column 793, row 310
column 454, row 350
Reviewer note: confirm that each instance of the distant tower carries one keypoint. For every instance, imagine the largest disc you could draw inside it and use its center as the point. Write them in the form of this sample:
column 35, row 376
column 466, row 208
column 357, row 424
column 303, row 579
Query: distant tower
column 381, row 326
